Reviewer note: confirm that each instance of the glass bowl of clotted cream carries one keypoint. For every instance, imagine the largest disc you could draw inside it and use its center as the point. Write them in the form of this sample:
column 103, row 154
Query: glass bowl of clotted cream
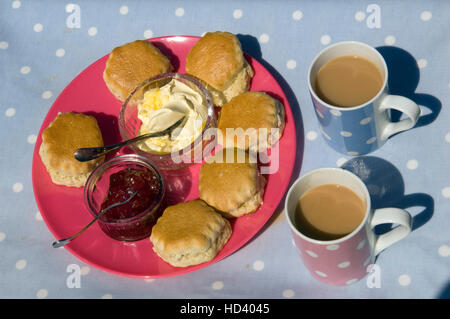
column 159, row 102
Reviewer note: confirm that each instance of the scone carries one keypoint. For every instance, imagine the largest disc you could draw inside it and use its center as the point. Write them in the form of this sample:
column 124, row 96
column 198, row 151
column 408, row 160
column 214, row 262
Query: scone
column 217, row 60
column 231, row 182
column 131, row 64
column 251, row 120
column 189, row 233
column 68, row 132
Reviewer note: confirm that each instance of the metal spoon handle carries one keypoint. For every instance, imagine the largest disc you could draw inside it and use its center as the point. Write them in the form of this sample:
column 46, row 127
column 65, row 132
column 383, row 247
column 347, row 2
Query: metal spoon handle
column 90, row 153
column 62, row 242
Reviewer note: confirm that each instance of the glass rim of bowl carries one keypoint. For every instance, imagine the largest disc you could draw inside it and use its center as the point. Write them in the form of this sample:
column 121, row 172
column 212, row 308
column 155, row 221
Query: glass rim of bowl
column 98, row 172
column 175, row 75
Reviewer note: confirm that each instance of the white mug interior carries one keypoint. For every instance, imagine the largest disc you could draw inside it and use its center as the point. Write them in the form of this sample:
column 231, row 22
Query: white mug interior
column 323, row 176
column 346, row 48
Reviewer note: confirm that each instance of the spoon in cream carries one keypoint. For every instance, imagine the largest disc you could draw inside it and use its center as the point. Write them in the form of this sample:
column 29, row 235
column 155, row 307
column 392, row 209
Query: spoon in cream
column 90, row 153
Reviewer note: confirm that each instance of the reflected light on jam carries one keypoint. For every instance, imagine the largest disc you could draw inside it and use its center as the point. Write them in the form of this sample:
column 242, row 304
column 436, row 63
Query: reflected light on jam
column 123, row 184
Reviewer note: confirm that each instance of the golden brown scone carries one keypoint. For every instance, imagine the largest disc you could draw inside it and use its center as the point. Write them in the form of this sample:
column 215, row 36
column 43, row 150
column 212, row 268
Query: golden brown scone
column 231, row 182
column 189, row 233
column 131, row 64
column 245, row 115
column 68, row 132
column 218, row 61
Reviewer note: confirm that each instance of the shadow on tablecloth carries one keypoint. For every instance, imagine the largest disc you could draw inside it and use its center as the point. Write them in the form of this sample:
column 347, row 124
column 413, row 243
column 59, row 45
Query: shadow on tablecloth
column 387, row 189
column 445, row 293
column 404, row 76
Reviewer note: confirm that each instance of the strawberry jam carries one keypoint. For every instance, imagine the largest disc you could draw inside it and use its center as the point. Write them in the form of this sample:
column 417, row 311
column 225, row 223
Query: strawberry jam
column 135, row 219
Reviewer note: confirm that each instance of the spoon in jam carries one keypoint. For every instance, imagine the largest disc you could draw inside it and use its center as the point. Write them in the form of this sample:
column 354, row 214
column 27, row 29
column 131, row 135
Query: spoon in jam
column 65, row 241
column 90, row 153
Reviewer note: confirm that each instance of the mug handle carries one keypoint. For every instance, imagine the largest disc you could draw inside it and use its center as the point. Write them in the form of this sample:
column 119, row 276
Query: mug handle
column 404, row 105
column 390, row 216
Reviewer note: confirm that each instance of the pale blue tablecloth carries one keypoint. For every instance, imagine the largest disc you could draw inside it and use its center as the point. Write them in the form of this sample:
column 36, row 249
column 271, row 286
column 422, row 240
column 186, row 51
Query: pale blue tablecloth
column 40, row 54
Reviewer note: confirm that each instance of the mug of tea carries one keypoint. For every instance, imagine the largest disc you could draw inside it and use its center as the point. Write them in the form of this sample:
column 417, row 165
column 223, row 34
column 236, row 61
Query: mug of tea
column 332, row 224
column 348, row 86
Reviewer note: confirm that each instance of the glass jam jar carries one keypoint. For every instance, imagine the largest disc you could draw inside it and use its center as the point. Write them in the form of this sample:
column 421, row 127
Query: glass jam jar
column 115, row 181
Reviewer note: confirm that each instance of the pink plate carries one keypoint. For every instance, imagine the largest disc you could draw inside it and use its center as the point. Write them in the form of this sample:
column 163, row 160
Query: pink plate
column 63, row 208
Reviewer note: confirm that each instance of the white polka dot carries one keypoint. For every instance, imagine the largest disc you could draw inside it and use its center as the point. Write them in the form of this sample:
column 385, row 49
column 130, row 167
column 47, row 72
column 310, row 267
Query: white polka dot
column 346, row 134
column 389, row 40
column 217, row 285
column 293, row 243
column 361, row 244
column 258, row 265
column 341, row 161
column 38, row 216
column 404, row 280
column 446, row 192
column 42, row 293
column 333, row 247
column 179, row 12
column 311, row 135
column 426, row 16
column 291, row 64
column 288, row 293
column 297, row 15
column 25, row 70
column 17, row 187
column 31, row 138
column 2, row 236
column 92, row 31
column 371, row 140
column 10, row 112
column 351, row 281
column 447, row 137
column 148, row 34
column 237, row 14
column 85, row 270
column 336, row 112
column 422, row 63
column 149, row 280
column 60, row 53
column 412, row 164
column 4, row 45
column 107, row 296
column 21, row 264
column 38, row 27
column 321, row 274
column 325, row 39
column 344, row 264
column 264, row 38
column 360, row 16
column 351, row 153
column 444, row 251
column 365, row 121
column 123, row 10
column 47, row 94
column 16, row 4
column 312, row 254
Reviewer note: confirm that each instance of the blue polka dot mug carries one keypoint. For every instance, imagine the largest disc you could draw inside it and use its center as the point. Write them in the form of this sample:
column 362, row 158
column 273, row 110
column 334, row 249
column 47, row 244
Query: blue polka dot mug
column 364, row 128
